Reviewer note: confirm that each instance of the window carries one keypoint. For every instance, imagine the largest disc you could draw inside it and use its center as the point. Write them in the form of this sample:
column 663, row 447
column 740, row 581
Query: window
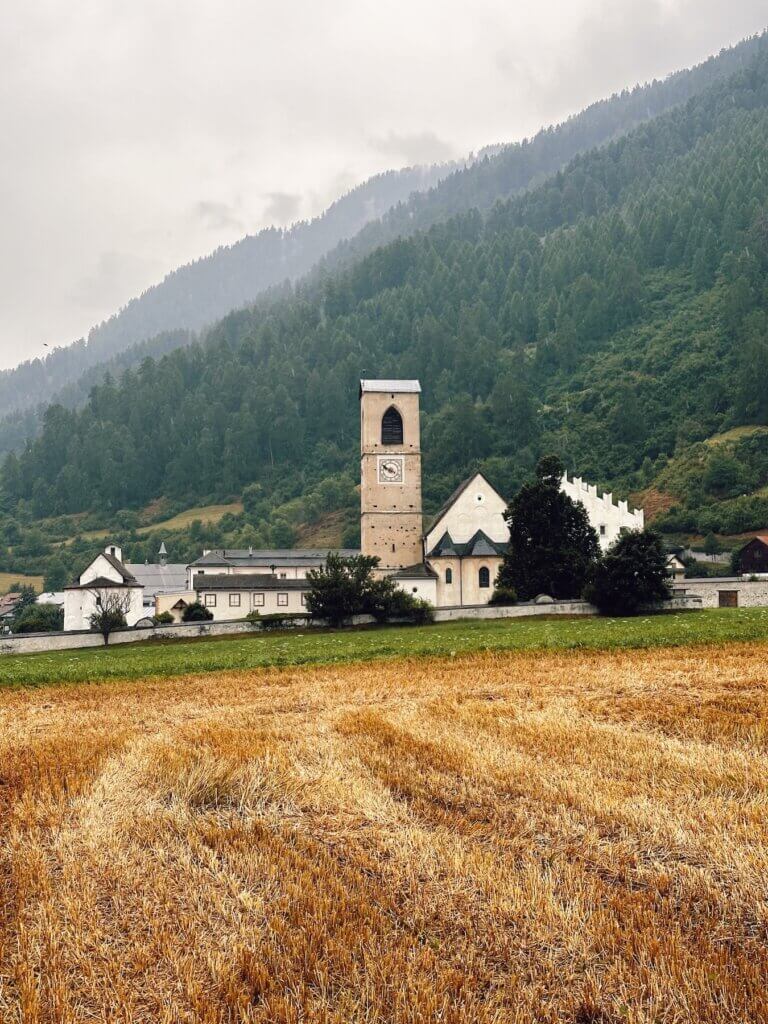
column 449, row 575
column 283, row 575
column 234, row 600
column 258, row 600
column 602, row 529
column 484, row 577
column 210, row 600
column 282, row 600
column 392, row 427
column 303, row 598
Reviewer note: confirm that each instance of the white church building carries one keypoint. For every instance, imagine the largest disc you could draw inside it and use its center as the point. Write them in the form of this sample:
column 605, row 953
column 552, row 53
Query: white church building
column 452, row 563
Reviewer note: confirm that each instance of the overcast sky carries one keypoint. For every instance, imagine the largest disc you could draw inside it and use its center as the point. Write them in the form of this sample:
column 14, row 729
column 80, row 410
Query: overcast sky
column 140, row 134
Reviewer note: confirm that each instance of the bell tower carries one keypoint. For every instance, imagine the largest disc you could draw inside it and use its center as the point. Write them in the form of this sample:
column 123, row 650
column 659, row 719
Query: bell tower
column 390, row 472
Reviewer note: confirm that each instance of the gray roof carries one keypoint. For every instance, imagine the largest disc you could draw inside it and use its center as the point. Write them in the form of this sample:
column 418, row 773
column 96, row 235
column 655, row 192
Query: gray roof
column 118, row 566
column 246, row 581
column 479, row 545
column 421, row 571
column 102, row 583
column 400, row 387
column 264, row 558
column 160, row 579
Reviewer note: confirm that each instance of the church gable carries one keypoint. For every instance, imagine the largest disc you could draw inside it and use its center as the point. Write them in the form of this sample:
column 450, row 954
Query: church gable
column 474, row 506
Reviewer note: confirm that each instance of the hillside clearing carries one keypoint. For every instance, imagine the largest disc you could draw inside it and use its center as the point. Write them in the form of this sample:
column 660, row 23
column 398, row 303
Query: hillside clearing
column 496, row 838
column 10, row 579
column 179, row 657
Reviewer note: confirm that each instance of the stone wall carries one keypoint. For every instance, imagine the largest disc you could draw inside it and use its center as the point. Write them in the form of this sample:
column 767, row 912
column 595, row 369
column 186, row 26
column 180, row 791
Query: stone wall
column 43, row 642
column 751, row 593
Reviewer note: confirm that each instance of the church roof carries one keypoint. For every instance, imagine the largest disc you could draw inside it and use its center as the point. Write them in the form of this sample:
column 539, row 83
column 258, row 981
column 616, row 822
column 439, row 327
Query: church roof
column 118, row 566
column 102, row 583
column 478, row 546
column 400, row 387
column 421, row 571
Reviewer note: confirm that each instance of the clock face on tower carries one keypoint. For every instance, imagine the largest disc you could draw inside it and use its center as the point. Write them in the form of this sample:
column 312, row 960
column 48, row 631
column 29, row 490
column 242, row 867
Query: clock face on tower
column 391, row 469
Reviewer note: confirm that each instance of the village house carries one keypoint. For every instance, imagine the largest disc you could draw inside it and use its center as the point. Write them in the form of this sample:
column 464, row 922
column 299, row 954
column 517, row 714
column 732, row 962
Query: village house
column 104, row 579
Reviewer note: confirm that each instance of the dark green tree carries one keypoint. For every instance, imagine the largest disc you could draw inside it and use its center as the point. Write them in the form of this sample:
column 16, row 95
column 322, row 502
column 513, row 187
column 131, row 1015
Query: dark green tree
column 631, row 576
column 39, row 618
column 343, row 587
column 552, row 546
column 196, row 612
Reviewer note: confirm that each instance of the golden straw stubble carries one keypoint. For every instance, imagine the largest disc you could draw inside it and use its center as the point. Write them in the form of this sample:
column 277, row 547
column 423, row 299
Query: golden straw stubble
column 510, row 837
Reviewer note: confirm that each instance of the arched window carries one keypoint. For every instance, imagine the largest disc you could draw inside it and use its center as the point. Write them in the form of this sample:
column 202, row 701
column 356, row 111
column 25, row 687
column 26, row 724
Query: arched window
column 392, row 427
column 484, row 577
column 449, row 575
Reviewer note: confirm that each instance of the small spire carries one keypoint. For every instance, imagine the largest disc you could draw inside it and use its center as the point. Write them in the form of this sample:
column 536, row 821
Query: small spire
column 163, row 553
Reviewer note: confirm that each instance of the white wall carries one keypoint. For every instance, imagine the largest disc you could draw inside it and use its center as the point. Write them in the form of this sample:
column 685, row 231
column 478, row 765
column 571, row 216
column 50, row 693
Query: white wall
column 607, row 517
column 224, row 611
column 426, row 589
column 752, row 593
column 478, row 507
column 79, row 605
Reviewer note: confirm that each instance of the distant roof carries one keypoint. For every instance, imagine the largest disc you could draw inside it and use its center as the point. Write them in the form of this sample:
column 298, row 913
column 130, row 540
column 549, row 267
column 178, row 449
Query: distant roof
column 102, row 583
column 158, row 579
column 270, row 556
column 478, row 546
column 118, row 565
column 401, row 387
column 246, row 581
column 421, row 571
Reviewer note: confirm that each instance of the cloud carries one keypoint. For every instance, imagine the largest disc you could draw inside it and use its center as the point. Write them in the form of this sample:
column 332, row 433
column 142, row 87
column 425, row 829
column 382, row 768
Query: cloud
column 218, row 216
column 282, row 207
column 421, row 148
column 116, row 277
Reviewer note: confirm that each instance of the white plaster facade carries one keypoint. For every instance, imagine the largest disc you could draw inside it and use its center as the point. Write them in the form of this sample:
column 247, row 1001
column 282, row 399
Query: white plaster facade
column 610, row 519
column 725, row 592
column 105, row 577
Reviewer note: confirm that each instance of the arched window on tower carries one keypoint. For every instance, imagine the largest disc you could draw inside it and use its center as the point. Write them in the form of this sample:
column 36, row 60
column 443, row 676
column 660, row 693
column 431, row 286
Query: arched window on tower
column 449, row 575
column 484, row 577
column 392, row 427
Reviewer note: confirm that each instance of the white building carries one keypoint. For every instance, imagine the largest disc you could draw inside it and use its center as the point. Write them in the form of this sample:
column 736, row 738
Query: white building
column 106, row 578
column 609, row 519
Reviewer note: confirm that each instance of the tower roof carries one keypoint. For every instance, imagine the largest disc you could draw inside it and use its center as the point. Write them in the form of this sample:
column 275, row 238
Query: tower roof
column 399, row 387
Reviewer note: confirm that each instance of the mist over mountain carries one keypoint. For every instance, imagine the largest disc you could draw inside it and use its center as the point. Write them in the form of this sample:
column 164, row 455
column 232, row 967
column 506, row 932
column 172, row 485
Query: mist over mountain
column 388, row 206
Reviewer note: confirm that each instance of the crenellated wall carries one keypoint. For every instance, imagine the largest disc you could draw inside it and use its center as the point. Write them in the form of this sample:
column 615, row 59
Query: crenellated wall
column 609, row 518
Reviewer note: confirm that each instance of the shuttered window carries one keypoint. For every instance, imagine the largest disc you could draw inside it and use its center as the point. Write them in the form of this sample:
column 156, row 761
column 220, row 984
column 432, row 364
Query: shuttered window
column 392, row 427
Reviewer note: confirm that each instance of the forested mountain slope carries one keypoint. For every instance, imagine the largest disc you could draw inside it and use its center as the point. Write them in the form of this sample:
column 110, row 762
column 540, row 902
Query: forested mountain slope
column 617, row 314
column 205, row 290
column 391, row 205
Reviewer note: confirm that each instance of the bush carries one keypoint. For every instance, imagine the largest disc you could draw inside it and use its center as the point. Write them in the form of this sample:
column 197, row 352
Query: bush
column 630, row 576
column 421, row 612
column 277, row 619
column 39, row 618
column 503, row 595
column 164, row 619
column 196, row 612
column 344, row 587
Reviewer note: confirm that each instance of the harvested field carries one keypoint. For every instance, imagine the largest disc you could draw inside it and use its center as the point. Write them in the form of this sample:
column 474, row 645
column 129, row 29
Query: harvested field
column 548, row 836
